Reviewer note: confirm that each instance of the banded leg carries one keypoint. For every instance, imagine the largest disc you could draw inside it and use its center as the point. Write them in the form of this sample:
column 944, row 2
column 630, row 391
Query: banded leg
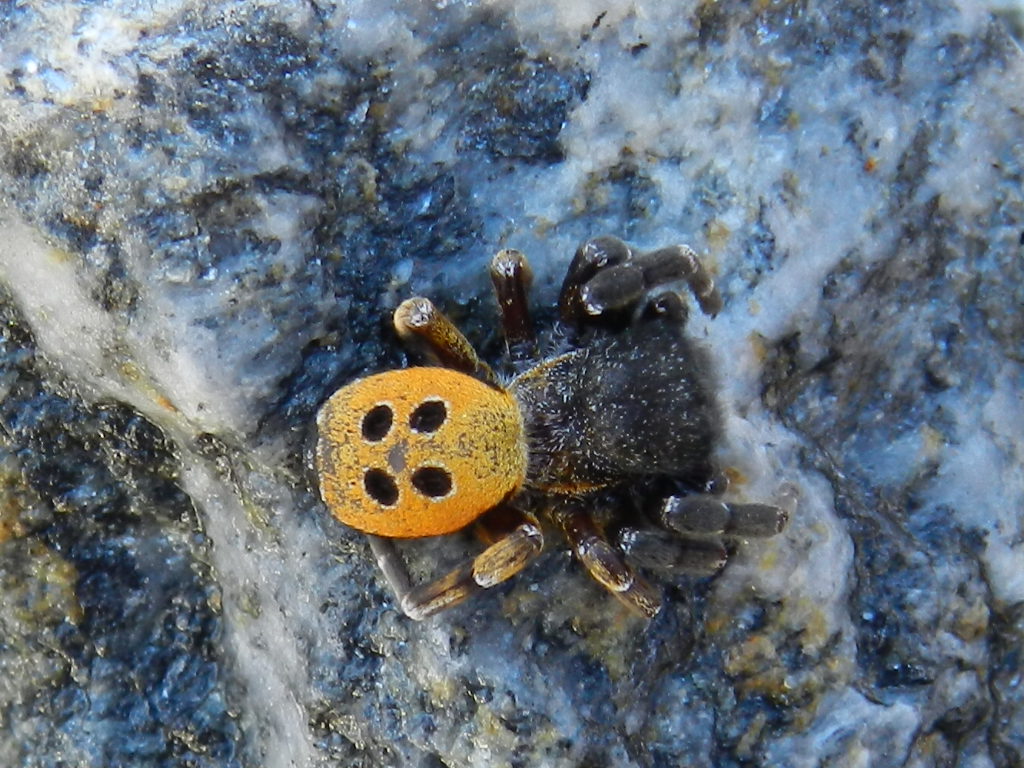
column 592, row 256
column 665, row 550
column 680, row 262
column 706, row 515
column 608, row 278
column 604, row 562
column 418, row 322
column 515, row 547
column 511, row 276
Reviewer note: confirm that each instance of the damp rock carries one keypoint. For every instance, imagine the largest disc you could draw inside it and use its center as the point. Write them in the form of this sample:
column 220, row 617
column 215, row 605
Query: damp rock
column 208, row 217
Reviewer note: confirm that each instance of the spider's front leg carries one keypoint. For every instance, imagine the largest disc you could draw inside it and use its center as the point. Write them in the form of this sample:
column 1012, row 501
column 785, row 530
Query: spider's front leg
column 603, row 561
column 609, row 279
column 511, row 276
column 515, row 540
column 422, row 325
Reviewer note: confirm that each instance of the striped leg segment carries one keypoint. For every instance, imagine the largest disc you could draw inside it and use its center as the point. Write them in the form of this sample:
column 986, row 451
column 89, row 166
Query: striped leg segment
column 507, row 555
column 665, row 550
column 604, row 562
column 511, row 276
column 707, row 515
column 607, row 278
column 421, row 325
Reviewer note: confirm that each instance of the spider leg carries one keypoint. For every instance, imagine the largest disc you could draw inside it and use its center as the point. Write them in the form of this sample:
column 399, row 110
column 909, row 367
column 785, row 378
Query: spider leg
column 693, row 526
column 680, row 262
column 515, row 545
column 664, row 550
column 608, row 278
column 667, row 304
column 511, row 276
column 420, row 324
column 706, row 515
column 604, row 562
column 591, row 257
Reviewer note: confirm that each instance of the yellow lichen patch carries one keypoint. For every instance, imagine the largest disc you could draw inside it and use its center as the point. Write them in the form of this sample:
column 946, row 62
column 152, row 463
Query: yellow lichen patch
column 769, row 560
column 609, row 636
column 758, row 345
column 137, row 376
column 768, row 664
column 817, row 629
column 102, row 104
column 55, row 579
column 10, row 519
column 747, row 745
column 758, row 670
column 756, row 666
column 418, row 452
column 932, row 442
column 11, row 504
column 735, row 477
column 495, row 732
column 42, row 594
column 717, row 623
column 37, row 592
column 718, row 234
column 970, row 620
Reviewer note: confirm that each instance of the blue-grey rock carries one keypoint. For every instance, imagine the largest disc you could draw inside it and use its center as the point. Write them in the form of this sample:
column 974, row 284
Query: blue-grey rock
column 208, row 213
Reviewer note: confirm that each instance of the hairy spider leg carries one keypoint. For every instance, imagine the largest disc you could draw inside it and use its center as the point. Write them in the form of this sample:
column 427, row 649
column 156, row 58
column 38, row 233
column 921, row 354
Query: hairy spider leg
column 665, row 550
column 424, row 327
column 514, row 546
column 608, row 278
column 603, row 561
column 511, row 276
column 705, row 515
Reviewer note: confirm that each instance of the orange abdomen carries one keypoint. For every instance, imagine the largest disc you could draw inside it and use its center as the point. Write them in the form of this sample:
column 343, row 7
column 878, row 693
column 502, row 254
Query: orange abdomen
column 418, row 452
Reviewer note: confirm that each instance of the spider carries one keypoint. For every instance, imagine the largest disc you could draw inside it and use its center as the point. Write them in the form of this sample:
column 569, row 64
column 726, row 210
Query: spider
column 610, row 436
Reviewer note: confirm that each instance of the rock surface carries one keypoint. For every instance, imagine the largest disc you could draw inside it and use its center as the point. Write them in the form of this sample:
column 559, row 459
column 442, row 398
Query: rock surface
column 209, row 211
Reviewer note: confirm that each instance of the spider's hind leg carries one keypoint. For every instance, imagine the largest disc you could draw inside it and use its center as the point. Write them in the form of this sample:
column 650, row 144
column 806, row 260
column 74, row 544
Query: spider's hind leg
column 604, row 562
column 692, row 528
column 666, row 305
column 680, row 262
column 515, row 539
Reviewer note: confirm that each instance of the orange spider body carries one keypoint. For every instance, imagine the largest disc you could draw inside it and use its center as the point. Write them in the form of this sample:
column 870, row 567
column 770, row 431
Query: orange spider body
column 418, row 452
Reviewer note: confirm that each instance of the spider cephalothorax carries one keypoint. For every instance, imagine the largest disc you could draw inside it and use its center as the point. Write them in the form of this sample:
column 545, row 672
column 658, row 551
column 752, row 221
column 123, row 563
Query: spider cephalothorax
column 620, row 421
